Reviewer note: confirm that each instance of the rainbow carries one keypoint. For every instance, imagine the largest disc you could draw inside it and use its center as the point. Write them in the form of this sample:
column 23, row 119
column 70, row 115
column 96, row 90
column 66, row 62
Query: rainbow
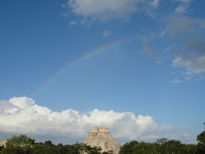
column 71, row 64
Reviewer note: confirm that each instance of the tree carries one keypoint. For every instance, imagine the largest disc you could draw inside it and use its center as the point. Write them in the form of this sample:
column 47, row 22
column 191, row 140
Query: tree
column 128, row 148
column 18, row 145
column 144, row 148
column 161, row 141
column 39, row 149
column 21, row 141
column 201, row 142
column 190, row 149
column 12, row 150
column 201, row 138
column 91, row 150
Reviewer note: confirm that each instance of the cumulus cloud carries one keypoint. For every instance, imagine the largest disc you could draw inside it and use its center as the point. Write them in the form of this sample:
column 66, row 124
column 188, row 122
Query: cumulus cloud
column 107, row 9
column 21, row 115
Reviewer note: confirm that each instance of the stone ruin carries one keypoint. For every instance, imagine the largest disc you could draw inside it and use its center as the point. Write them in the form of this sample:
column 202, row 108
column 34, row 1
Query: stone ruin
column 101, row 137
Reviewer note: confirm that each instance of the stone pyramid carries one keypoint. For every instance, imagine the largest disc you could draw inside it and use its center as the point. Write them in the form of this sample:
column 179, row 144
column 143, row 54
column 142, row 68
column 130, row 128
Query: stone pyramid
column 101, row 137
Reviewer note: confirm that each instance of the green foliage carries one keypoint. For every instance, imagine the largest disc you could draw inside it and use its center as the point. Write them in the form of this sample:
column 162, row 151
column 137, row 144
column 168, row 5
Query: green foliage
column 161, row 141
column 201, row 143
column 162, row 146
column 171, row 146
column 21, row 140
column 201, row 138
column 135, row 147
column 18, row 145
column 190, row 149
column 109, row 152
column 91, row 150
column 128, row 148
column 12, row 150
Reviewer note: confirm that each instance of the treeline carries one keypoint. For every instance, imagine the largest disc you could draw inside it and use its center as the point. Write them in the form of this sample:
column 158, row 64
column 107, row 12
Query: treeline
column 165, row 146
column 162, row 146
column 25, row 145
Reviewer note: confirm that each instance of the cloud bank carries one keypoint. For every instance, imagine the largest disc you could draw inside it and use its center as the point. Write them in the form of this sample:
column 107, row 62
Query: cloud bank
column 20, row 115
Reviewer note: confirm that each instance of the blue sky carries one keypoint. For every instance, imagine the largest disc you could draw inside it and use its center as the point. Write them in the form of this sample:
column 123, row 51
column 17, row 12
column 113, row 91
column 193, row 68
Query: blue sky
column 157, row 69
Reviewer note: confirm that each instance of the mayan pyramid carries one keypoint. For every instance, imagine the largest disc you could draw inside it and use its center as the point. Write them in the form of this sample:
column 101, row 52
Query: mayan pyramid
column 101, row 137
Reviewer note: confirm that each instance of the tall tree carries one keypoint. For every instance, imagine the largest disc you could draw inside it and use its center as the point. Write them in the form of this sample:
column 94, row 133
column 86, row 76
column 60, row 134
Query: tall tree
column 201, row 142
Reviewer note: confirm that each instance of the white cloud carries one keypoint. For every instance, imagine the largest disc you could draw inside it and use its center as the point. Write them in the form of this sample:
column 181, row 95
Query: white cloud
column 155, row 3
column 106, row 33
column 183, row 6
column 177, row 28
column 102, row 9
column 20, row 115
column 194, row 65
column 184, row 1
column 73, row 22
column 158, row 62
column 185, row 42
column 181, row 9
column 185, row 35
column 150, row 51
column 176, row 80
column 107, row 9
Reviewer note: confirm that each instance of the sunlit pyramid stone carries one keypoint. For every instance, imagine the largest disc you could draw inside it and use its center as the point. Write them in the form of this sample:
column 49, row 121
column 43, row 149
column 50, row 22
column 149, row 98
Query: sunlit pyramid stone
column 101, row 137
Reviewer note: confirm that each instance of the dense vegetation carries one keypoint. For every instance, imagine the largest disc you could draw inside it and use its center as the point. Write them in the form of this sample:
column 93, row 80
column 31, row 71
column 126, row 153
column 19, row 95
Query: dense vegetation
column 25, row 145
column 165, row 146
